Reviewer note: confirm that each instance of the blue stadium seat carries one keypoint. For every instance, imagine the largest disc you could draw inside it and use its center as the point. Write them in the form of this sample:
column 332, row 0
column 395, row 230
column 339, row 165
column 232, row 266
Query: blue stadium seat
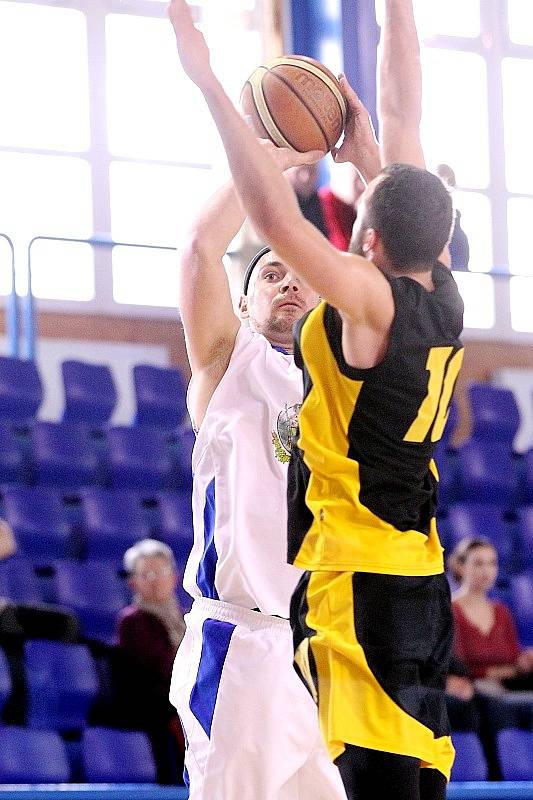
column 38, row 521
column 5, row 683
column 451, row 424
column 21, row 391
column 161, row 397
column 18, row 581
column 183, row 446
column 139, row 458
column 94, row 592
column 470, row 763
column 528, row 477
column 175, row 520
column 28, row 756
column 90, row 393
column 13, row 467
column 112, row 756
column 495, row 414
column 515, row 749
column 525, row 534
column 111, row 523
column 521, row 597
column 485, row 520
column 62, row 684
column 63, row 455
column 447, row 467
column 487, row 472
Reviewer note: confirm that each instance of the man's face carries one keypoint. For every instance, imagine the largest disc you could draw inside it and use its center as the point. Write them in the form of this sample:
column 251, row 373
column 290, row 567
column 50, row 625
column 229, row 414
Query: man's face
column 276, row 299
column 154, row 579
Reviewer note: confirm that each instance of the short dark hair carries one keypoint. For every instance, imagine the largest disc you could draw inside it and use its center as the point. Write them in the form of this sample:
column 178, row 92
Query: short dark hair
column 411, row 210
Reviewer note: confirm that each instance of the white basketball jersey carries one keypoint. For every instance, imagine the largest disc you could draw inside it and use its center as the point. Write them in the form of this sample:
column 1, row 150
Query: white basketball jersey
column 239, row 464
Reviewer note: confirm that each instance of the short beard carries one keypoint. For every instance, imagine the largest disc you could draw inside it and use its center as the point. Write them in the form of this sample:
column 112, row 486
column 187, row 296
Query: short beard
column 356, row 244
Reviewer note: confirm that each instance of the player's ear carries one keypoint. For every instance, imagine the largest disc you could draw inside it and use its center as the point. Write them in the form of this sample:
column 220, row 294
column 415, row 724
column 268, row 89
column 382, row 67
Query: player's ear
column 370, row 241
column 243, row 307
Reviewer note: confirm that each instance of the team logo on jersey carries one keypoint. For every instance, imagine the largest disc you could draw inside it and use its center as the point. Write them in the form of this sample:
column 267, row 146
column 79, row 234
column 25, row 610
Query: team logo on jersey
column 286, row 432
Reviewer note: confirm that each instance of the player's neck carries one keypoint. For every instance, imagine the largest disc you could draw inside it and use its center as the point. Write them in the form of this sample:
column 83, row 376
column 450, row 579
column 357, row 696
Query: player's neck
column 286, row 346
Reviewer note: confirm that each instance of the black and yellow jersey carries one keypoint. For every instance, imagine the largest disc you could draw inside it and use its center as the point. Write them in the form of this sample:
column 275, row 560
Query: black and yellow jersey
column 362, row 483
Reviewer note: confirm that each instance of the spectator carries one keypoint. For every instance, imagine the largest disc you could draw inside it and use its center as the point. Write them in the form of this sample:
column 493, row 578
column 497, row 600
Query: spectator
column 459, row 245
column 486, row 637
column 149, row 634
column 21, row 621
column 491, row 676
column 322, row 207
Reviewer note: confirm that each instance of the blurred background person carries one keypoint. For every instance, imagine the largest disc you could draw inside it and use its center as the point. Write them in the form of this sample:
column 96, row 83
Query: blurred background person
column 150, row 631
column 459, row 245
column 332, row 214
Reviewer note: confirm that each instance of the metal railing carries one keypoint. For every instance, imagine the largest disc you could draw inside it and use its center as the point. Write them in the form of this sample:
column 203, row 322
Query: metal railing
column 12, row 315
column 30, row 322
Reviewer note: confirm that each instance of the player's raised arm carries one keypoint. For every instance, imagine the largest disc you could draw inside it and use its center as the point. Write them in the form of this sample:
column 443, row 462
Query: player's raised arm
column 346, row 281
column 206, row 309
column 400, row 86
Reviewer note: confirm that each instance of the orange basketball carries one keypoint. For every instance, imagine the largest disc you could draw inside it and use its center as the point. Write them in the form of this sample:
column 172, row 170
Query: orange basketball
column 295, row 102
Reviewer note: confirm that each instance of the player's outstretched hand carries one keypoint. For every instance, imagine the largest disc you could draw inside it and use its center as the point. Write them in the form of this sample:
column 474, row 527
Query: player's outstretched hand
column 192, row 48
column 359, row 145
column 286, row 157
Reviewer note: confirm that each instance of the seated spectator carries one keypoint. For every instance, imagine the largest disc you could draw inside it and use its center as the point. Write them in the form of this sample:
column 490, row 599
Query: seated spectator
column 322, row 207
column 30, row 621
column 21, row 621
column 491, row 676
column 459, row 244
column 486, row 639
column 149, row 634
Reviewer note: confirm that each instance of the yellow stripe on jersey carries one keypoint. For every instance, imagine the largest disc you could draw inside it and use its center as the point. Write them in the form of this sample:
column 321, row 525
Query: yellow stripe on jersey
column 345, row 535
column 353, row 707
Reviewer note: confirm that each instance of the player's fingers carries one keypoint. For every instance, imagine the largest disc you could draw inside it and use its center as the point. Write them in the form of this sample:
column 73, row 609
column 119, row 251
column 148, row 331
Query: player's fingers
column 350, row 95
column 311, row 157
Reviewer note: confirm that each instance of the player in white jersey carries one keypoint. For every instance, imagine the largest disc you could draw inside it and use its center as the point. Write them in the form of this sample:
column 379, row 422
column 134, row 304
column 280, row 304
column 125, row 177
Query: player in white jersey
column 250, row 726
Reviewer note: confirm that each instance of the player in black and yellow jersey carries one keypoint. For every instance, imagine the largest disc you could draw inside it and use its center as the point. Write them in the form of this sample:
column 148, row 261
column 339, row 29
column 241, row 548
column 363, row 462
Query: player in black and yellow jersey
column 371, row 616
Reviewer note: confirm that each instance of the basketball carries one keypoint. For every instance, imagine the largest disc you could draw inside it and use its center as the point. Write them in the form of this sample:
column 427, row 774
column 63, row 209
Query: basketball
column 295, row 102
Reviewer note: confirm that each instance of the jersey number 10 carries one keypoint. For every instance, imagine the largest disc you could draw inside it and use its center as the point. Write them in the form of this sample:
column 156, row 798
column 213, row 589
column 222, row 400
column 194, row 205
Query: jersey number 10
column 433, row 412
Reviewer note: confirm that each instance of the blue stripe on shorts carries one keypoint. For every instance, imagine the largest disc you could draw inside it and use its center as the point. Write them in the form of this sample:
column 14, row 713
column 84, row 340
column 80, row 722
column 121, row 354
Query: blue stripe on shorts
column 216, row 638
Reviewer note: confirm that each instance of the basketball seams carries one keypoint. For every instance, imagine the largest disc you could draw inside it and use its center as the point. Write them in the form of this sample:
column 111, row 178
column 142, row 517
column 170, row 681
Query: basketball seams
column 256, row 83
column 318, row 71
column 302, row 100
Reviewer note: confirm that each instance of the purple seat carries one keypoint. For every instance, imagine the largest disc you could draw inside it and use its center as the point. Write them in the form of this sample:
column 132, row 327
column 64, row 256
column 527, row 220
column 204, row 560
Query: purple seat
column 515, row 749
column 161, row 397
column 447, row 468
column 487, row 472
column 38, row 521
column 21, row 391
column 13, row 468
column 18, row 581
column 139, row 458
column 451, row 425
column 90, row 393
column 495, row 414
column 482, row 520
column 175, row 515
column 29, row 756
column 111, row 522
column 64, row 455
column 94, row 592
column 112, row 756
column 528, row 477
column 470, row 763
column 521, row 596
column 5, row 682
column 62, row 684
column 525, row 535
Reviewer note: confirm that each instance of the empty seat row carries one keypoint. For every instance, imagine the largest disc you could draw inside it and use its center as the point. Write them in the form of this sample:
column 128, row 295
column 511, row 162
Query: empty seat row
column 92, row 590
column 64, row 454
column 109, row 522
column 108, row 756
column 514, row 751
column 512, row 535
column 91, row 395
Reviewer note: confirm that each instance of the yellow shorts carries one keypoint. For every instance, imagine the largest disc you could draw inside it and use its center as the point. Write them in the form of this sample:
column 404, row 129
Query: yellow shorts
column 373, row 650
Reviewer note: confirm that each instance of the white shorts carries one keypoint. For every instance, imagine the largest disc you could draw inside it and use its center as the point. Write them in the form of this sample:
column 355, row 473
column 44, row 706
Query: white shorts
column 251, row 727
